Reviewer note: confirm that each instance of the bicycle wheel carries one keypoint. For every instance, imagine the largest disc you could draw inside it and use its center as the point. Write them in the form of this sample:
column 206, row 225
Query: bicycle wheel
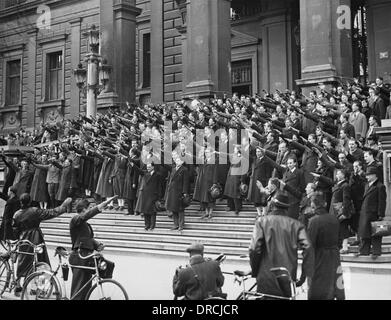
column 107, row 289
column 5, row 275
column 41, row 285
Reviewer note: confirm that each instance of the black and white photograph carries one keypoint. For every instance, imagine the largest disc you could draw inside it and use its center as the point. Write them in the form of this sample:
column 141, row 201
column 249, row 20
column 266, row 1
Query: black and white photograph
column 195, row 150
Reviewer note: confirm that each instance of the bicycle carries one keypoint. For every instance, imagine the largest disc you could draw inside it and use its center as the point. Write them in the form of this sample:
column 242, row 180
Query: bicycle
column 10, row 259
column 45, row 285
column 285, row 281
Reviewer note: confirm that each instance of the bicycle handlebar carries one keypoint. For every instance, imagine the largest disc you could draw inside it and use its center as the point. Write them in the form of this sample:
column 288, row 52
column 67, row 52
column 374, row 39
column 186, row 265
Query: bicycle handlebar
column 33, row 245
column 95, row 254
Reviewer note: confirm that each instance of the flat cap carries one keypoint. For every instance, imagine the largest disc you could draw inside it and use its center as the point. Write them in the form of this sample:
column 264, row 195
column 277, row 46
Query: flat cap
column 371, row 170
column 196, row 247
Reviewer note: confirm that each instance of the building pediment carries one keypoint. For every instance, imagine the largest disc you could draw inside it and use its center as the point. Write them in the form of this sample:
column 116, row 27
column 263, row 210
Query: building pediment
column 240, row 39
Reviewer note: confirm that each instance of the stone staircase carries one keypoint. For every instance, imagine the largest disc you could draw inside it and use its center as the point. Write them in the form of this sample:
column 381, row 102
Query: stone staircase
column 225, row 233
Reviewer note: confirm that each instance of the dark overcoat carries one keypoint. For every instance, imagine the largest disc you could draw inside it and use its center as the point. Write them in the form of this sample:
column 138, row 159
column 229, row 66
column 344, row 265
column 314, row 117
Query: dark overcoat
column 261, row 171
column 341, row 193
column 373, row 207
column 295, row 180
column 149, row 192
column 234, row 179
column 274, row 244
column 131, row 178
column 207, row 176
column 198, row 281
column 39, row 190
column 178, row 184
column 104, row 188
column 118, row 175
column 6, row 232
column 26, row 224
column 24, row 183
column 65, row 183
column 326, row 282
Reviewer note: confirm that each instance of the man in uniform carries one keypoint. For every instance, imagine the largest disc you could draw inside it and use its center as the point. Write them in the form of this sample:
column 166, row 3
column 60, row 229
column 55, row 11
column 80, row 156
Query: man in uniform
column 201, row 279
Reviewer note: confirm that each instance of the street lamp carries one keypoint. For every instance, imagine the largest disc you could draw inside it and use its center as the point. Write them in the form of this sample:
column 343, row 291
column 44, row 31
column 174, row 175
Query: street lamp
column 98, row 71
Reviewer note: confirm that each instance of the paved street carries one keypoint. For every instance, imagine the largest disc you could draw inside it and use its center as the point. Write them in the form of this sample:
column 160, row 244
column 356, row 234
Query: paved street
column 150, row 278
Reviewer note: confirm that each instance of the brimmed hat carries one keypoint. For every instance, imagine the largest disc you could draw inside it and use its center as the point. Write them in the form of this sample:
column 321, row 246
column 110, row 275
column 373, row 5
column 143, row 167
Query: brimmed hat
column 281, row 200
column 371, row 170
column 195, row 248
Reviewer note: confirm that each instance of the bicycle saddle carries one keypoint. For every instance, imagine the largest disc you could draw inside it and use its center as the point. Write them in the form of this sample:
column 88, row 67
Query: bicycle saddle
column 61, row 251
column 242, row 273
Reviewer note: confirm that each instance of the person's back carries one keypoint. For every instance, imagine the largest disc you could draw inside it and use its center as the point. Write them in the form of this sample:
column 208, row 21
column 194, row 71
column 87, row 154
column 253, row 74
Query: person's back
column 275, row 243
column 201, row 279
column 323, row 231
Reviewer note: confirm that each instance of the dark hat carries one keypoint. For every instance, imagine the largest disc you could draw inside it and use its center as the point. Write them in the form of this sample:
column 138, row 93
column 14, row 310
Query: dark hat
column 195, row 247
column 81, row 205
column 371, row 170
column 281, row 200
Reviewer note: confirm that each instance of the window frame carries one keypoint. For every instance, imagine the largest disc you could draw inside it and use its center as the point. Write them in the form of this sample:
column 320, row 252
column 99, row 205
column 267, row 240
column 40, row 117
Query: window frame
column 9, row 57
column 47, row 50
column 141, row 85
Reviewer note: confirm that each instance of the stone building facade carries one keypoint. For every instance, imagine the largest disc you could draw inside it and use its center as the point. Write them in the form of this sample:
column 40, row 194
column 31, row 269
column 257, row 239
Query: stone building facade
column 162, row 50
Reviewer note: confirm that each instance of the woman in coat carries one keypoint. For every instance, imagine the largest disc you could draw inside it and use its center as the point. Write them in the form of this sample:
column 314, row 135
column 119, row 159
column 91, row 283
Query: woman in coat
column 104, row 187
column 117, row 178
column 23, row 178
column 206, row 178
column 39, row 188
column 149, row 193
column 65, row 185
column 26, row 224
column 12, row 205
column 234, row 178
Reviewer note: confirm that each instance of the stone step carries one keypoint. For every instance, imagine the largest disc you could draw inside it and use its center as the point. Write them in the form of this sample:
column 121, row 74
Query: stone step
column 157, row 245
column 198, row 225
column 196, row 213
column 165, row 218
column 158, row 231
column 174, row 237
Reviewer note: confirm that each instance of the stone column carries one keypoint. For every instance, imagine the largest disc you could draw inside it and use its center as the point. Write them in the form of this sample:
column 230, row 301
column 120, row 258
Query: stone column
column 75, row 60
column 124, row 47
column 31, row 80
column 326, row 45
column 379, row 44
column 157, row 90
column 208, row 48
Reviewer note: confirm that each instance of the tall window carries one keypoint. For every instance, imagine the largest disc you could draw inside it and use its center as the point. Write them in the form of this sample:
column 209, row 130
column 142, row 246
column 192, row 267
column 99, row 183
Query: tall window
column 242, row 76
column 359, row 40
column 146, row 60
column 13, row 82
column 54, row 76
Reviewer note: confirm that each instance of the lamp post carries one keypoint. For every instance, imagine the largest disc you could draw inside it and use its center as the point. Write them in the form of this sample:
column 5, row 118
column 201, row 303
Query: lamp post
column 97, row 71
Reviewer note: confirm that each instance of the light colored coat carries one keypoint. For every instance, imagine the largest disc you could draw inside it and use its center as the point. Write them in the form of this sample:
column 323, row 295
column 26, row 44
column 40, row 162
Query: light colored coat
column 360, row 124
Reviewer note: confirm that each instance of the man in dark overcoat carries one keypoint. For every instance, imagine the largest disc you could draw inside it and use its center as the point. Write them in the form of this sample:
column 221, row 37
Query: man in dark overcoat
column 373, row 208
column 177, row 189
column 274, row 244
column 293, row 177
column 149, row 193
column 201, row 279
column 326, row 282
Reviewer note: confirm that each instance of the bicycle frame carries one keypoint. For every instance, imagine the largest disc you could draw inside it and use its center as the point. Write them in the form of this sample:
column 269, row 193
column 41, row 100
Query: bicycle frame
column 14, row 249
column 96, row 277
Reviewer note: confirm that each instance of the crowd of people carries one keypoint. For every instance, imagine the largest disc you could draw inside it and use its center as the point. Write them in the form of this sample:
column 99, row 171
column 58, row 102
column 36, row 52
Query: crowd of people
column 297, row 148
